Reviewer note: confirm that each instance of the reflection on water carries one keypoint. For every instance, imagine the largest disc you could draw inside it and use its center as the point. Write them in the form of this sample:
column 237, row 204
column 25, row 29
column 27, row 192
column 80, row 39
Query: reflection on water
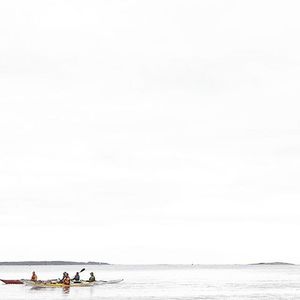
column 161, row 282
column 66, row 290
column 36, row 288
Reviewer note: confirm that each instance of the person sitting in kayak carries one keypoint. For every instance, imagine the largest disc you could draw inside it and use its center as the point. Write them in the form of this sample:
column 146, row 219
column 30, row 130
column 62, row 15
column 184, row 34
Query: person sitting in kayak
column 34, row 277
column 67, row 280
column 92, row 277
column 63, row 278
column 76, row 277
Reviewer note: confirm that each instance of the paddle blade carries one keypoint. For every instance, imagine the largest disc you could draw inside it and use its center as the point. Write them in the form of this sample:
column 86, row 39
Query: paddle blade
column 82, row 270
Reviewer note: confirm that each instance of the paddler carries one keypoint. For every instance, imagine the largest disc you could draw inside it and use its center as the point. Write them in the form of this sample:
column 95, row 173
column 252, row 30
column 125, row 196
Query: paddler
column 92, row 277
column 63, row 278
column 76, row 277
column 67, row 280
column 33, row 276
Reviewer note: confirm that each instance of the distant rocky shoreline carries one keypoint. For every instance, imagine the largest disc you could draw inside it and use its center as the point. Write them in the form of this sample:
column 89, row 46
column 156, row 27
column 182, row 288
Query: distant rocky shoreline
column 272, row 264
column 49, row 263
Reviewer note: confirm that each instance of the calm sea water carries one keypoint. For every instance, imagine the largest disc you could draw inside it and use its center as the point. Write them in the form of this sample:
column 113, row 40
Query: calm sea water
column 162, row 282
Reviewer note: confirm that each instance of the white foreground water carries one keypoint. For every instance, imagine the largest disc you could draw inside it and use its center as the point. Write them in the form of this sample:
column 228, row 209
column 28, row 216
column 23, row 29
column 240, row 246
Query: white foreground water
column 161, row 282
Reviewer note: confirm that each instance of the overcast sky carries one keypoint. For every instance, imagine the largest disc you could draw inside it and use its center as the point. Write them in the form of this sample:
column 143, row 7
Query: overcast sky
column 150, row 131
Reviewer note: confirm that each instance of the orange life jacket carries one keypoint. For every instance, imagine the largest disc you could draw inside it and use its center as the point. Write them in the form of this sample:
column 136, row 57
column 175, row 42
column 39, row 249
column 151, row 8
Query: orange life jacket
column 67, row 281
column 34, row 277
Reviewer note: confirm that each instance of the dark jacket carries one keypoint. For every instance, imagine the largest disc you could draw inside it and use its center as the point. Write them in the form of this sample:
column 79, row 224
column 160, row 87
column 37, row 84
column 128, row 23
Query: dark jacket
column 76, row 277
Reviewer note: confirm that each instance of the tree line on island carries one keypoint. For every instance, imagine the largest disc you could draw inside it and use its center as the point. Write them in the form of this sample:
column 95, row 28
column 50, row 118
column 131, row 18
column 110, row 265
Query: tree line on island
column 52, row 262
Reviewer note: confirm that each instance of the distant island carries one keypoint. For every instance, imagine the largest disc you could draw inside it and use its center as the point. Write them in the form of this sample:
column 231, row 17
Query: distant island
column 49, row 263
column 276, row 263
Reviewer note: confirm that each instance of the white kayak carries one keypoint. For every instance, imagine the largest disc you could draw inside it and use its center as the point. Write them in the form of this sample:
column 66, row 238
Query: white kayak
column 109, row 281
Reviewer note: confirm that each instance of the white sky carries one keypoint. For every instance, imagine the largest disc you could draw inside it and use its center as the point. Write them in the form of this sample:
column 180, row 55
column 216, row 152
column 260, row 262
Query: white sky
column 150, row 131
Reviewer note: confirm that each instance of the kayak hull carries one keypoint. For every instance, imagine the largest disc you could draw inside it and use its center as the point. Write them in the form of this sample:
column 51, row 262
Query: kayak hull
column 61, row 285
column 11, row 281
column 109, row 281
column 45, row 284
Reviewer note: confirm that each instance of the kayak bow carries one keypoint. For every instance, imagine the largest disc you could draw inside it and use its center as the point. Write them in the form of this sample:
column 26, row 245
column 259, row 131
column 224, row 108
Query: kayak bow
column 11, row 281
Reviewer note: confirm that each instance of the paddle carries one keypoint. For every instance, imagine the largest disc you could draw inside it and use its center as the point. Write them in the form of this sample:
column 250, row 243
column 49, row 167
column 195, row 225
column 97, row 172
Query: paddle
column 79, row 272
column 82, row 270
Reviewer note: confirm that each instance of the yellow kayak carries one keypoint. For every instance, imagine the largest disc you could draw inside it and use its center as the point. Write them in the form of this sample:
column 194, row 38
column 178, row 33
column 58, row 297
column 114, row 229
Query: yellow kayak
column 53, row 284
column 61, row 285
